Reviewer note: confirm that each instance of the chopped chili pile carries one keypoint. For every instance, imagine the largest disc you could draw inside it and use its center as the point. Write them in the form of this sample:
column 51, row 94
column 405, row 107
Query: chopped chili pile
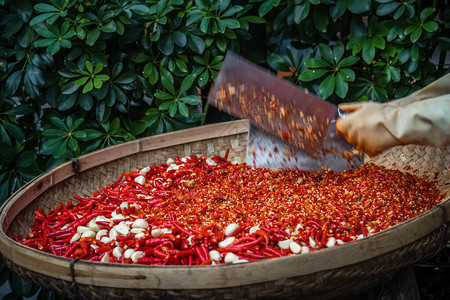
column 203, row 211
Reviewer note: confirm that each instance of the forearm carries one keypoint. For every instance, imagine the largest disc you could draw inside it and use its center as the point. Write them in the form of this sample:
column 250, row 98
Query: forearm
column 421, row 123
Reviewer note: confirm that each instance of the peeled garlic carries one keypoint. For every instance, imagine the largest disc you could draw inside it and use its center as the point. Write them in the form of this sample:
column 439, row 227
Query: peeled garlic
column 231, row 228
column 106, row 258
column 82, row 229
column 295, row 248
column 239, row 261
column 88, row 233
column 215, row 255
column 230, row 257
column 284, row 244
column 137, row 230
column 331, row 242
column 113, row 234
column 123, row 205
column 140, row 179
column 305, row 249
column 226, row 242
column 128, row 253
column 253, row 229
column 139, row 235
column 156, row 233
column 102, row 219
column 75, row 237
column 170, row 161
column 144, row 171
column 122, row 229
column 117, row 252
column 105, row 240
column 210, row 162
column 136, row 255
column 140, row 223
column 101, row 233
column 117, row 217
column 313, row 243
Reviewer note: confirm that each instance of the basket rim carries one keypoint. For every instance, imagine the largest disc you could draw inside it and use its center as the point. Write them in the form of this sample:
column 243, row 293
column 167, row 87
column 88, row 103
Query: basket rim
column 207, row 277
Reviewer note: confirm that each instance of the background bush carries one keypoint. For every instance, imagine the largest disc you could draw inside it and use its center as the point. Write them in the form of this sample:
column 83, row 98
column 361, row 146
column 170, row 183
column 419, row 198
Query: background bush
column 76, row 76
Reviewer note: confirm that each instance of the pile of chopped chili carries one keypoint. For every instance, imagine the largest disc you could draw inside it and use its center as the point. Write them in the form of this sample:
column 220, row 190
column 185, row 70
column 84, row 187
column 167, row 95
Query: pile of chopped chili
column 202, row 211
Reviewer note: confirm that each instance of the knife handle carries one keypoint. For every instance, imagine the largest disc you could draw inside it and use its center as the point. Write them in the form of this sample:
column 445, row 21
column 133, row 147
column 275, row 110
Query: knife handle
column 341, row 113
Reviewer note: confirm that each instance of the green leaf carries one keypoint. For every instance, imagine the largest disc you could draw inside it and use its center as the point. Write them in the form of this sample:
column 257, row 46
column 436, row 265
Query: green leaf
column 203, row 78
column 368, row 52
column 348, row 61
column 395, row 73
column 301, row 12
column 126, row 78
column 109, row 27
column 378, row 42
column 309, row 75
column 163, row 95
column 187, row 83
column 179, row 38
column 265, row 7
column 316, row 63
column 414, row 53
column 26, row 159
column 98, row 68
column 43, row 43
column 89, row 67
column 166, row 44
column 182, row 108
column 140, row 9
column 196, row 43
column 326, row 53
column 326, row 87
column 88, row 87
column 347, row 74
column 181, row 65
column 60, row 149
column 231, row 23
column 82, row 81
column 173, row 107
column 97, row 83
column 321, row 20
column 191, row 99
column 92, row 36
column 41, row 18
column 385, row 9
column 416, row 34
column 69, row 88
column 430, row 26
column 426, row 13
column 410, row 29
column 21, row 286
column 46, row 33
column 86, row 102
column 13, row 81
column 399, row 12
column 341, row 86
column 358, row 6
column 21, row 109
column 53, row 48
column 338, row 51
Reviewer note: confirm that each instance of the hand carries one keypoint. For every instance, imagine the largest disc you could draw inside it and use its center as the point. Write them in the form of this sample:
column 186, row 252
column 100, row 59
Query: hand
column 364, row 127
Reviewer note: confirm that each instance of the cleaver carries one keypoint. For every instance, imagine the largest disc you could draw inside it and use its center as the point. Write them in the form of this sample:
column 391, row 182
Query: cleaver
column 289, row 128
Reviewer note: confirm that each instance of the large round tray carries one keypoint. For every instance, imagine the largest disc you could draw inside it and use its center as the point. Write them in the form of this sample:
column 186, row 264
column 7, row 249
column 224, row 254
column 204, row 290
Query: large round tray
column 333, row 271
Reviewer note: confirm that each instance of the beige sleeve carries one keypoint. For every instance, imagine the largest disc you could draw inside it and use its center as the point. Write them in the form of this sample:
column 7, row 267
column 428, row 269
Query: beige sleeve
column 435, row 89
column 423, row 122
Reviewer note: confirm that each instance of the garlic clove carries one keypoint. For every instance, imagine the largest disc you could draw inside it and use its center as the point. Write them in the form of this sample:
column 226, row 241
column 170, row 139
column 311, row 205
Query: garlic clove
column 75, row 238
column 117, row 252
column 295, row 248
column 140, row 179
column 231, row 257
column 215, row 255
column 88, row 233
column 136, row 255
column 128, row 253
column 253, row 229
column 140, row 223
column 226, row 242
column 106, row 258
column 284, row 244
column 331, row 242
column 231, row 228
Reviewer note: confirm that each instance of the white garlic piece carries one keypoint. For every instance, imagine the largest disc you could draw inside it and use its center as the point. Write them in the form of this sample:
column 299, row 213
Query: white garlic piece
column 117, row 252
column 210, row 162
column 113, row 234
column 295, row 247
column 305, row 249
column 253, row 229
column 156, row 233
column 136, row 255
column 170, row 161
column 140, row 223
column 88, row 233
column 331, row 242
column 82, row 229
column 240, row 261
column 140, row 179
column 215, row 255
column 144, row 171
column 75, row 237
column 101, row 233
column 226, row 242
column 105, row 240
column 122, row 229
column 128, row 252
column 231, row 228
column 123, row 205
column 230, row 257
column 284, row 244
column 313, row 243
column 106, row 258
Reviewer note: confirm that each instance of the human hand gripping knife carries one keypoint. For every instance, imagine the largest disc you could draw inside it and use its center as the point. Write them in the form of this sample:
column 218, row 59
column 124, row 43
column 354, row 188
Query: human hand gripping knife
column 289, row 127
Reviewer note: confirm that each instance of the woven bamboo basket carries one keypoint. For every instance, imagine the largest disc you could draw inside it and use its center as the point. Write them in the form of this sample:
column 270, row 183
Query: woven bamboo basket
column 316, row 275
